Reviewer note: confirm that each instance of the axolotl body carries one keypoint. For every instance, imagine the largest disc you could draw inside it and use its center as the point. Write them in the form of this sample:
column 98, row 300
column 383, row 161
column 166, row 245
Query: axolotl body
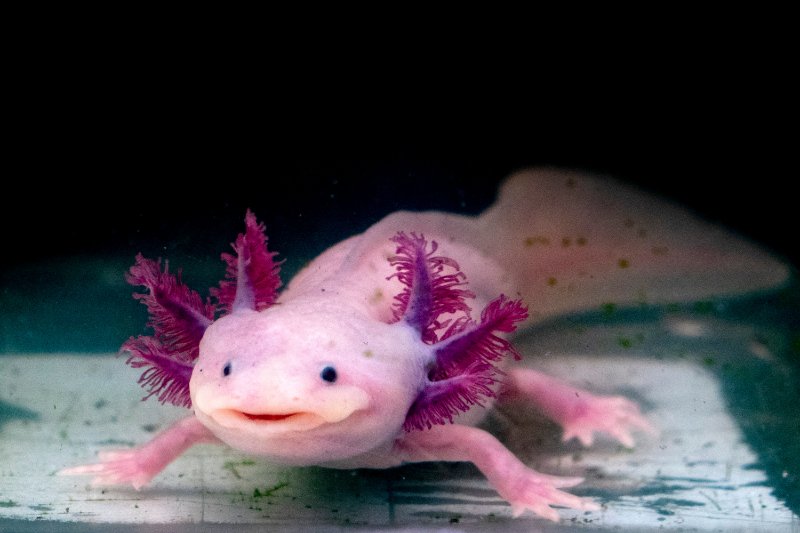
column 392, row 345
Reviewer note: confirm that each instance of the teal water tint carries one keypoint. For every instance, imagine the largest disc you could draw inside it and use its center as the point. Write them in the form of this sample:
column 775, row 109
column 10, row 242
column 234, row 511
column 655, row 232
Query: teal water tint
column 763, row 394
column 66, row 305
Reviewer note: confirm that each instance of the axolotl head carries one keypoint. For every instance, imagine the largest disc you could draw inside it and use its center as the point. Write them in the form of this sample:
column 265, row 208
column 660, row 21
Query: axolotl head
column 303, row 384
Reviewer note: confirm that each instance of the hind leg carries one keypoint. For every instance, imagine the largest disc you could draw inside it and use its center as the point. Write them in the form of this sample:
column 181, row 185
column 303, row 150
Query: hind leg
column 579, row 412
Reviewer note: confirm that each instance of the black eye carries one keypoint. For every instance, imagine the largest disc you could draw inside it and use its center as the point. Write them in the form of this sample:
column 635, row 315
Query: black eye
column 328, row 374
column 226, row 370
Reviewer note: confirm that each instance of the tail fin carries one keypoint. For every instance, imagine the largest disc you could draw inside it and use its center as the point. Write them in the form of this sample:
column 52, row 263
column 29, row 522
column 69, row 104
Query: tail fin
column 571, row 242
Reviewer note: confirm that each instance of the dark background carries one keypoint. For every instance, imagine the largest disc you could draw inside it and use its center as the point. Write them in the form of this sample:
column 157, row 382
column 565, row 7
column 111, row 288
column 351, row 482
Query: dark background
column 122, row 189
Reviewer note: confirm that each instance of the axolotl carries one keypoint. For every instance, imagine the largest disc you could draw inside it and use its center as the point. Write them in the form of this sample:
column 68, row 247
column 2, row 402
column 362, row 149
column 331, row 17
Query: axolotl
column 392, row 345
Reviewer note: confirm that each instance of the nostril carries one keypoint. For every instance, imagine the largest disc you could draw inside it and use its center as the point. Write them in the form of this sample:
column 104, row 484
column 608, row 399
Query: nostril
column 226, row 370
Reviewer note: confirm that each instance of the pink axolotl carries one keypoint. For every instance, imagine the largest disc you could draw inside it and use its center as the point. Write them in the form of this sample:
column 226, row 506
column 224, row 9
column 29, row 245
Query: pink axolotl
column 391, row 345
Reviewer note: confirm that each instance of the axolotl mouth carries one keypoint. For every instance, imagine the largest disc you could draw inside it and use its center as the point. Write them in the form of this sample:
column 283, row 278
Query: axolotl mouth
column 301, row 420
column 268, row 417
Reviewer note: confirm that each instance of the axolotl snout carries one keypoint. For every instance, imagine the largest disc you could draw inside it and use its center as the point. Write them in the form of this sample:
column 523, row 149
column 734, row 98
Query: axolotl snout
column 389, row 347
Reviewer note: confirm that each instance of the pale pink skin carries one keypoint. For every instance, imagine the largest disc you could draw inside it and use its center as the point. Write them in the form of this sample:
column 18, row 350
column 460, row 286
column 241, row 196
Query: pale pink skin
column 556, row 239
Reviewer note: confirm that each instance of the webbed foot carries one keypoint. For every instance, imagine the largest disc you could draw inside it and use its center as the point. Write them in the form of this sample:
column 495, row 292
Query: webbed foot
column 537, row 492
column 613, row 415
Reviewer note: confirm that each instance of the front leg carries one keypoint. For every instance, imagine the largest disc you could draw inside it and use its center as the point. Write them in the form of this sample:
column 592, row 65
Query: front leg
column 522, row 487
column 139, row 465
column 577, row 411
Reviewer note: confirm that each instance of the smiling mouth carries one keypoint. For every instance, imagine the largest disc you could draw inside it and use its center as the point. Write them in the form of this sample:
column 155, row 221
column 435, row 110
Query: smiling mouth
column 297, row 420
column 268, row 417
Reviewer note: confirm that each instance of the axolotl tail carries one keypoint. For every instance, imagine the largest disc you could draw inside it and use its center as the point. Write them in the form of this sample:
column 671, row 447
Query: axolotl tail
column 572, row 241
